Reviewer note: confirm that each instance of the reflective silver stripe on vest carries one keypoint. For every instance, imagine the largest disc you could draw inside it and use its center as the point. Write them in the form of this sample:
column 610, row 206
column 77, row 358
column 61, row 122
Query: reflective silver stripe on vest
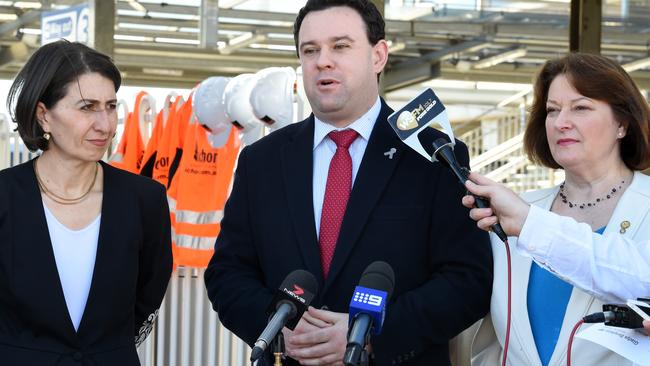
column 172, row 203
column 200, row 218
column 195, row 242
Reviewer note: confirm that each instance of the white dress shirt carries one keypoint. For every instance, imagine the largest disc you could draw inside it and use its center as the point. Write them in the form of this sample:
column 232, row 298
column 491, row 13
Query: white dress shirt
column 75, row 252
column 324, row 149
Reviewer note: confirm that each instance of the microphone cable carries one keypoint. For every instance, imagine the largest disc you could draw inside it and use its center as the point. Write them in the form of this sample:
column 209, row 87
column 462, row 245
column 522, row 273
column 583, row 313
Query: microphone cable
column 444, row 152
column 598, row 317
column 509, row 309
column 573, row 333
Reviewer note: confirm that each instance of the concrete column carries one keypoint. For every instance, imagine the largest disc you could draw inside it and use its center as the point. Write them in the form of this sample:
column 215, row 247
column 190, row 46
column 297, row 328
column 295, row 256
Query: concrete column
column 101, row 27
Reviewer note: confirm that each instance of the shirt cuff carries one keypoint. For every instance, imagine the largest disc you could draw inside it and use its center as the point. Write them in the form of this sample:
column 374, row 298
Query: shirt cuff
column 536, row 237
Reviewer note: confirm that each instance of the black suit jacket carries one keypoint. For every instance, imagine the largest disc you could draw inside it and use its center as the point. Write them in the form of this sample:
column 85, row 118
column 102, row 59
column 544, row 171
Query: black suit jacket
column 405, row 211
column 131, row 273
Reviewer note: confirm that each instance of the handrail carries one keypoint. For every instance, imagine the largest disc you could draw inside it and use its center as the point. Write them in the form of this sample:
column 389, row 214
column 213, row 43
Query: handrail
column 497, row 152
column 506, row 170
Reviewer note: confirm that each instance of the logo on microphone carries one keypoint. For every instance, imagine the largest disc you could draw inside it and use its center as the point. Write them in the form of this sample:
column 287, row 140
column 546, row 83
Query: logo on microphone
column 298, row 290
column 296, row 294
column 406, row 121
column 410, row 119
column 365, row 298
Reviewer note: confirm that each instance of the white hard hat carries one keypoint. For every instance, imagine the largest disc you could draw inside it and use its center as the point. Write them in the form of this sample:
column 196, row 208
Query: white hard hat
column 252, row 134
column 272, row 96
column 238, row 107
column 220, row 139
column 208, row 105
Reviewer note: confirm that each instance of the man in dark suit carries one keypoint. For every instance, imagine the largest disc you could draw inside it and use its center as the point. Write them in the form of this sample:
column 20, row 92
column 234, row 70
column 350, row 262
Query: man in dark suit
column 305, row 199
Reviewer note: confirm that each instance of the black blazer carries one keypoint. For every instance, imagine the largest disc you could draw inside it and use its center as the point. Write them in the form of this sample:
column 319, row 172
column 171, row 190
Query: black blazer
column 131, row 273
column 405, row 211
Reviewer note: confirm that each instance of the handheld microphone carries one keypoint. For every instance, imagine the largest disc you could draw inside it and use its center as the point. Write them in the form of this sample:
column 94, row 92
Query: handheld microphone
column 368, row 309
column 289, row 303
column 412, row 126
column 444, row 152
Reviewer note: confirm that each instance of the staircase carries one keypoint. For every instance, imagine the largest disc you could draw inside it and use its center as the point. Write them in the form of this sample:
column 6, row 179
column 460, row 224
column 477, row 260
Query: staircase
column 496, row 151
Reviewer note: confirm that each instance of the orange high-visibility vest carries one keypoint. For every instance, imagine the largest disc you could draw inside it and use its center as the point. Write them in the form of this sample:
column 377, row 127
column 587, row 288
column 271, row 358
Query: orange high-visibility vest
column 184, row 118
column 149, row 157
column 129, row 152
column 198, row 193
column 171, row 142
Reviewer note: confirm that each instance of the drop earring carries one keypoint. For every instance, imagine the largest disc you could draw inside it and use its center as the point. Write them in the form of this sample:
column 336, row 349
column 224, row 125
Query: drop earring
column 47, row 136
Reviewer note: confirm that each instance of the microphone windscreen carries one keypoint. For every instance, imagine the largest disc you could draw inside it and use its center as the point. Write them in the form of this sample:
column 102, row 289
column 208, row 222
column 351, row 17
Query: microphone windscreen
column 300, row 280
column 427, row 137
column 379, row 276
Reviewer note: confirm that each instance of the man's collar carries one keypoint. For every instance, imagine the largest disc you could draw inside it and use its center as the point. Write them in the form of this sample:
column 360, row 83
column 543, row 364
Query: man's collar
column 363, row 125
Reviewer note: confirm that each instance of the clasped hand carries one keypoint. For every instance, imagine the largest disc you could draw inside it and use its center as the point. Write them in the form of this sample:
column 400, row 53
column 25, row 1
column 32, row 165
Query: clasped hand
column 319, row 338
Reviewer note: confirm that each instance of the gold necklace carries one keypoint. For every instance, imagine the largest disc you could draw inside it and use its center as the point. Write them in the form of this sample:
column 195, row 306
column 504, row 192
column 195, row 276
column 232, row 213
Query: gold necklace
column 64, row 200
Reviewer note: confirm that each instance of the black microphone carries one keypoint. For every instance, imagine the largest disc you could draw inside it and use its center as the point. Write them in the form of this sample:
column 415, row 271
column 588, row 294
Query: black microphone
column 367, row 309
column 412, row 126
column 289, row 303
column 444, row 152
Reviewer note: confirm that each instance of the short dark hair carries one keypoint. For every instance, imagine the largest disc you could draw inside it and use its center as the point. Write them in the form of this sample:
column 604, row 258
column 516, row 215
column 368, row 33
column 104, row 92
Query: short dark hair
column 368, row 11
column 599, row 78
column 45, row 78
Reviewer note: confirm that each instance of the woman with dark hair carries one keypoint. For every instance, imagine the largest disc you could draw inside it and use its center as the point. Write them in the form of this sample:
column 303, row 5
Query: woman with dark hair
column 589, row 119
column 85, row 252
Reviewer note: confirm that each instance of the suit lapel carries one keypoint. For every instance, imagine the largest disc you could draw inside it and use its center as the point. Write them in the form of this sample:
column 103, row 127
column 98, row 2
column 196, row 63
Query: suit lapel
column 372, row 177
column 297, row 169
column 37, row 243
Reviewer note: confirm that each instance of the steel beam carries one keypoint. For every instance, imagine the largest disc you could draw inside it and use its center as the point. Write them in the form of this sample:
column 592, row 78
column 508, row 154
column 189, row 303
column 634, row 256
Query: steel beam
column 425, row 67
column 25, row 19
column 405, row 76
column 209, row 24
column 585, row 26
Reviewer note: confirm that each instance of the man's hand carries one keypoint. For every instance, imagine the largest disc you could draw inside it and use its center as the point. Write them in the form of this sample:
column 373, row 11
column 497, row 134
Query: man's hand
column 506, row 207
column 319, row 339
column 303, row 327
column 646, row 326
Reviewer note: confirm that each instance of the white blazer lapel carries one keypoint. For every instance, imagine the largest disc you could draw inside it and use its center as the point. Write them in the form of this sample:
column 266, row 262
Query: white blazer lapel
column 632, row 209
column 521, row 329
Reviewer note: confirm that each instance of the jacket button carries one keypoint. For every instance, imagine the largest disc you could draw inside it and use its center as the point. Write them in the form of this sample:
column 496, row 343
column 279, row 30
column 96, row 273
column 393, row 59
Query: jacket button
column 77, row 356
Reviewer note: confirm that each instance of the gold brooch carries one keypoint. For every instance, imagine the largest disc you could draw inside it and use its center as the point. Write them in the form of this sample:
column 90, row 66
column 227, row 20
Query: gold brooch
column 624, row 226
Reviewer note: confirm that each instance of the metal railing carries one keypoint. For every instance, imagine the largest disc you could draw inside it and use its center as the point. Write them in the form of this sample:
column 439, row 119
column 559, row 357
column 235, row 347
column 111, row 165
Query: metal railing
column 188, row 332
column 496, row 151
column 12, row 149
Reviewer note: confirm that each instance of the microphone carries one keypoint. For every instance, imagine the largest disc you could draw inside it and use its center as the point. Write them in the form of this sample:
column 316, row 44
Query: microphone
column 412, row 124
column 444, row 152
column 289, row 303
column 367, row 309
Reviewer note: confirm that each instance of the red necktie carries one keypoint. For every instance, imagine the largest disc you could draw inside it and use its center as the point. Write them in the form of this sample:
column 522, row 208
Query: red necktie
column 337, row 192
